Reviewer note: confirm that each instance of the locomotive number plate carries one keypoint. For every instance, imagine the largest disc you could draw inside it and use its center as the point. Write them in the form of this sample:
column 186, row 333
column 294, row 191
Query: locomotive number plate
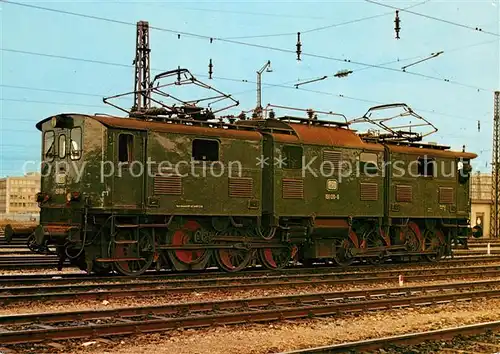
column 332, row 196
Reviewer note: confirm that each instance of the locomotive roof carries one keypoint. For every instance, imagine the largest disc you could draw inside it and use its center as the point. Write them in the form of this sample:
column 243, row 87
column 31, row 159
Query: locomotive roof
column 286, row 132
column 311, row 133
column 427, row 150
column 208, row 129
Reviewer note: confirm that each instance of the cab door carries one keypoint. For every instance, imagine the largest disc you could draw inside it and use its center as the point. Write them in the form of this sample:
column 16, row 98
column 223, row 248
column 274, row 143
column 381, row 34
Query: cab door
column 463, row 177
column 130, row 169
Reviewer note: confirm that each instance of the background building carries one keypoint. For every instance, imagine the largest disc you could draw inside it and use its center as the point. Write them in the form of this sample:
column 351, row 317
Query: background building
column 481, row 200
column 17, row 194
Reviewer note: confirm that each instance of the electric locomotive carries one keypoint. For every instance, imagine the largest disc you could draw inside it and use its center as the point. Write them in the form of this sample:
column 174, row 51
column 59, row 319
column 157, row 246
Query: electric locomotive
column 183, row 190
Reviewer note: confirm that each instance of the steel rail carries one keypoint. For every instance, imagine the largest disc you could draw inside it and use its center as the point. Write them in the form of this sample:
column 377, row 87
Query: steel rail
column 225, row 304
column 404, row 339
column 67, row 278
column 183, row 278
column 324, row 278
column 290, row 307
column 159, row 288
column 493, row 251
column 53, row 264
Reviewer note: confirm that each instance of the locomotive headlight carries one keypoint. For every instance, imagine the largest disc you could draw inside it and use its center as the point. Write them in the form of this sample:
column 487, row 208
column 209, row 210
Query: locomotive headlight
column 72, row 196
column 42, row 197
column 332, row 185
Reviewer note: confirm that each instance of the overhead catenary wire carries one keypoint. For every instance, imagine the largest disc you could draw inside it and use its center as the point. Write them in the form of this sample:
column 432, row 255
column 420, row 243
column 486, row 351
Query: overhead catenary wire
column 221, row 77
column 254, row 45
column 234, row 80
column 267, row 14
column 51, row 90
column 50, row 102
column 476, row 29
column 316, row 29
column 249, row 81
column 284, row 86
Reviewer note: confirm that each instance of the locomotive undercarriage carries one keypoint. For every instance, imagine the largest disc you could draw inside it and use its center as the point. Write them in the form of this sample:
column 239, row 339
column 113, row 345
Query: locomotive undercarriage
column 132, row 244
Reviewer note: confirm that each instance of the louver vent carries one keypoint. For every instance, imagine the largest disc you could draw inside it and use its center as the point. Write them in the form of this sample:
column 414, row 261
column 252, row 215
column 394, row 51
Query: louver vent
column 369, row 191
column 293, row 188
column 446, row 195
column 404, row 193
column 241, row 187
column 171, row 185
column 332, row 161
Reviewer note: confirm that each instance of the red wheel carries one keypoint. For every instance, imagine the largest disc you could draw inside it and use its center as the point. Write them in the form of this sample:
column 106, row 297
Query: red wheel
column 344, row 253
column 137, row 255
column 232, row 259
column 412, row 237
column 434, row 241
column 275, row 258
column 185, row 236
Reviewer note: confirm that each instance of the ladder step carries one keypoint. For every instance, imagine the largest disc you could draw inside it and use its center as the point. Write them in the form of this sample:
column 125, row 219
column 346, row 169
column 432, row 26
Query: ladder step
column 152, row 225
column 127, row 226
column 125, row 242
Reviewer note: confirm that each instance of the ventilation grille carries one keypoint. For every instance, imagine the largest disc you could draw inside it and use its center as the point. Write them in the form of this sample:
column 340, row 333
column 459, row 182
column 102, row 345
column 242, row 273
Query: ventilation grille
column 446, row 195
column 369, row 191
column 404, row 193
column 241, row 187
column 171, row 185
column 332, row 159
column 293, row 188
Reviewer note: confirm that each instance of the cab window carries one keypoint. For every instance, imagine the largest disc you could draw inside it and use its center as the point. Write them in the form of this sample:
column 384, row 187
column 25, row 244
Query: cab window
column 125, row 146
column 368, row 163
column 464, row 170
column 62, row 146
column 292, row 157
column 205, row 150
column 48, row 145
column 76, row 143
column 426, row 166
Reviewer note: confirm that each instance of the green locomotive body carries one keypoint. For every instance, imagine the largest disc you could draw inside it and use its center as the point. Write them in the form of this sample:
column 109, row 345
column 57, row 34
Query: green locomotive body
column 132, row 194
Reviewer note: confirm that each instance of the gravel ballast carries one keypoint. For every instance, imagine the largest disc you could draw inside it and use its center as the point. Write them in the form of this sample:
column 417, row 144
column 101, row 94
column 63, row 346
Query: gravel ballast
column 292, row 335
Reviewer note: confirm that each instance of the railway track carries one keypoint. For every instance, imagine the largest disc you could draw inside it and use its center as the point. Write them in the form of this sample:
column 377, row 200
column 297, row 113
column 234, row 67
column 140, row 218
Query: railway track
column 448, row 340
column 74, row 278
column 165, row 285
column 33, row 261
column 16, row 255
column 32, row 328
column 25, row 259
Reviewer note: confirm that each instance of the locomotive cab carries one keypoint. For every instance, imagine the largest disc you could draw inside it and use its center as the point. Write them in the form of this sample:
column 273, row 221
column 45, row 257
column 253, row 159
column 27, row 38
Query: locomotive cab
column 65, row 183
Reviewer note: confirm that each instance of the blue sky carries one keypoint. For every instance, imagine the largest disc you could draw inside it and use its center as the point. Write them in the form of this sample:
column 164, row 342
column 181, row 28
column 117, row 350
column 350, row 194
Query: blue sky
column 470, row 58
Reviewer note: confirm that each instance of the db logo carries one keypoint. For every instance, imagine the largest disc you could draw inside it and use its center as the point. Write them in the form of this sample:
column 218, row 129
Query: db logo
column 332, row 184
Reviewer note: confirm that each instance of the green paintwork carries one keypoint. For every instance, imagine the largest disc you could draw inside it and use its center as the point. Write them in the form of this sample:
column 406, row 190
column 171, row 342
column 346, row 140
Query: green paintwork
column 148, row 197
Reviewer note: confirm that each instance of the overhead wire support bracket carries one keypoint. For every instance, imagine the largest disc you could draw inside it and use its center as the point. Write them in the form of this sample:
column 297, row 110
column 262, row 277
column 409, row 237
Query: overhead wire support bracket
column 433, row 55
column 343, row 73
column 258, row 107
column 210, row 69
column 309, row 81
column 299, row 46
column 397, row 26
